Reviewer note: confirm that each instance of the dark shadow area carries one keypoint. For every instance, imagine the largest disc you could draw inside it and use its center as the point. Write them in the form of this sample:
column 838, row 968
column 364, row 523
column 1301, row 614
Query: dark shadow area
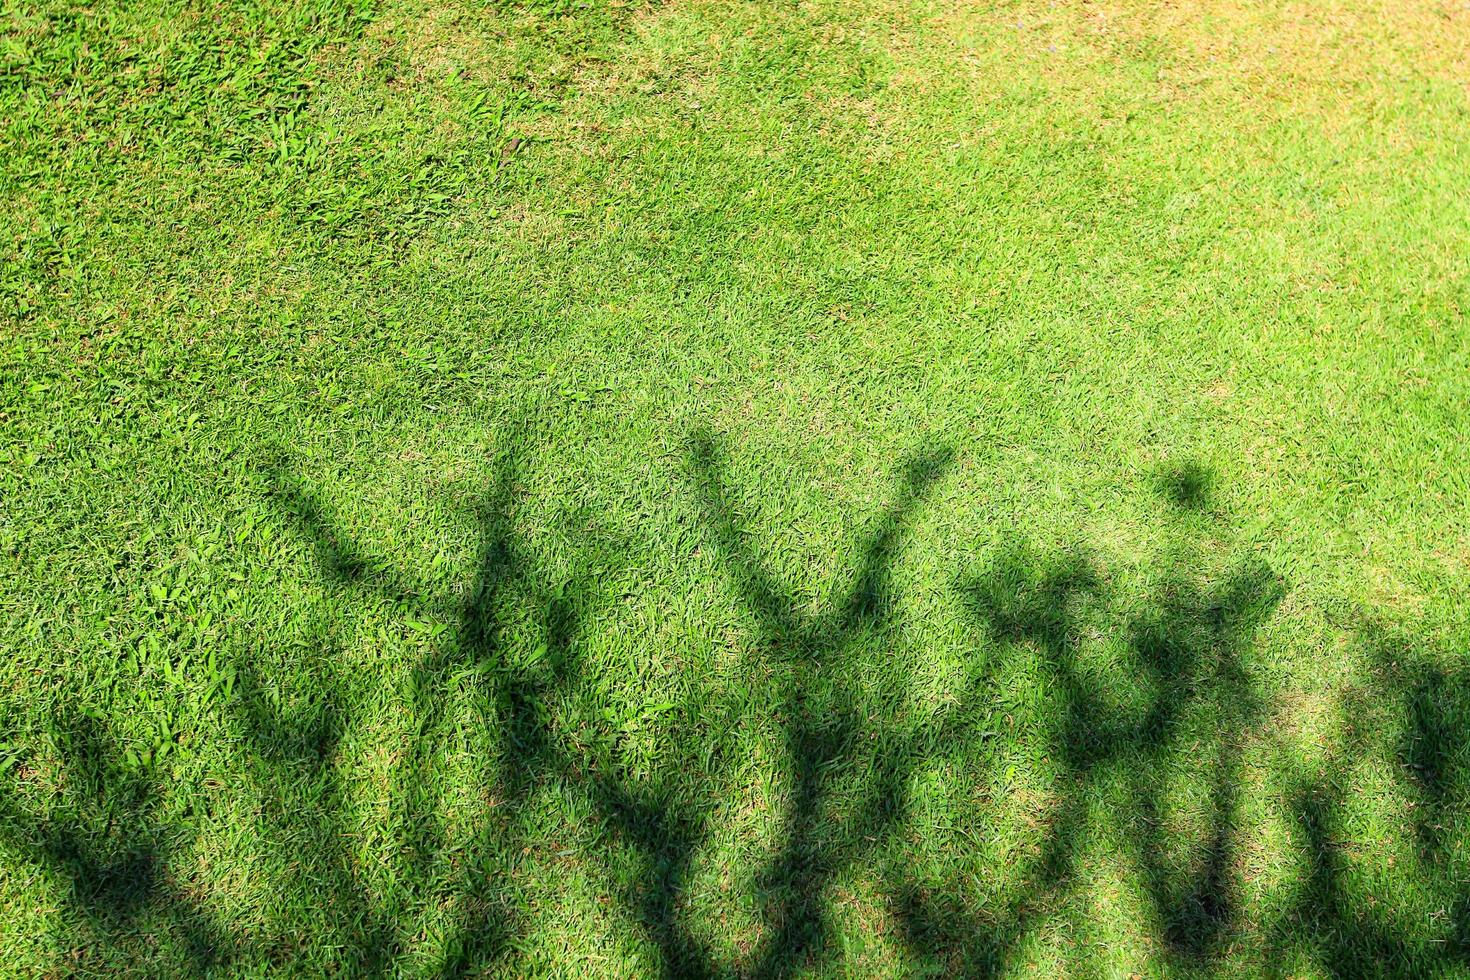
column 1192, row 651
column 103, row 835
column 1188, row 485
column 515, row 702
column 513, row 719
column 294, row 737
column 1185, row 654
column 1345, row 937
column 1149, row 691
column 1417, row 720
column 813, row 648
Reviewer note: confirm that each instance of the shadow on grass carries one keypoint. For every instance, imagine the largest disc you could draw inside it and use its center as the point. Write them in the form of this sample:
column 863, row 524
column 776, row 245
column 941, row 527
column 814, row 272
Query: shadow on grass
column 1185, row 651
column 465, row 663
column 516, row 722
column 101, row 837
column 1415, row 716
column 1173, row 717
column 814, row 650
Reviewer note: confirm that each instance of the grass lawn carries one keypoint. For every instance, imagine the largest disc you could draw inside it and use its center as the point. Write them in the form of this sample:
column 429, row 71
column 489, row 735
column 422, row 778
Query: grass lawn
column 824, row 487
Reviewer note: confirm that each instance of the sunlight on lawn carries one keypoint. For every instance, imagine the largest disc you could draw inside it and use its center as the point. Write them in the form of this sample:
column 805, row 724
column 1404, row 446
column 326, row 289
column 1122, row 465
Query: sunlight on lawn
column 718, row 488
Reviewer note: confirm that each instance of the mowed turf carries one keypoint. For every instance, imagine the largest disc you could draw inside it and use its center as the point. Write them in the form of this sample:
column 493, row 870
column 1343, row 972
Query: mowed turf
column 735, row 488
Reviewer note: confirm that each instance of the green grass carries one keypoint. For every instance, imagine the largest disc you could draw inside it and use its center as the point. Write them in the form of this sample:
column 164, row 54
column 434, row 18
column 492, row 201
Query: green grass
column 838, row 488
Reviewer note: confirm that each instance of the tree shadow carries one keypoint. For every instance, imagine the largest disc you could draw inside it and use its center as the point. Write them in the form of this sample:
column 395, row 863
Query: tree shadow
column 1193, row 649
column 294, row 738
column 813, row 649
column 466, row 662
column 1416, row 721
column 517, row 725
column 1169, row 714
column 1185, row 656
column 103, row 835
column 1187, row 484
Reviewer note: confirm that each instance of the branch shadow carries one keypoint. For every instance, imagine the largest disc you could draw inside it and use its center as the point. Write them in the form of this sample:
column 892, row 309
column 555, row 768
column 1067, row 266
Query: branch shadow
column 468, row 659
column 1186, row 654
column 1416, row 720
column 1123, row 748
column 517, row 725
column 817, row 739
column 103, row 835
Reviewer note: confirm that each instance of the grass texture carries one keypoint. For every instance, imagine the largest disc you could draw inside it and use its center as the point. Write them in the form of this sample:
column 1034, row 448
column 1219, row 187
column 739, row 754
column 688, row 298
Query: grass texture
column 734, row 488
